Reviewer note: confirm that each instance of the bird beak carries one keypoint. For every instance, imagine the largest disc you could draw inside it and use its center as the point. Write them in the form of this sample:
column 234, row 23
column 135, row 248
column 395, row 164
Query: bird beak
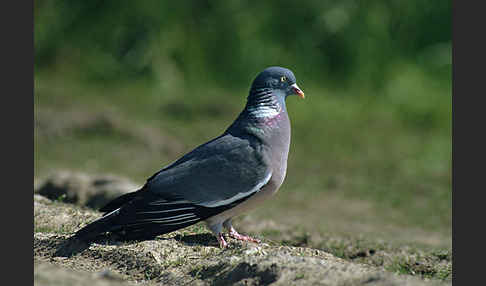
column 297, row 90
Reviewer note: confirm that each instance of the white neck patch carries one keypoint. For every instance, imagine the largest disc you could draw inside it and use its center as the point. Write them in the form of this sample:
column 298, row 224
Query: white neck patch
column 264, row 111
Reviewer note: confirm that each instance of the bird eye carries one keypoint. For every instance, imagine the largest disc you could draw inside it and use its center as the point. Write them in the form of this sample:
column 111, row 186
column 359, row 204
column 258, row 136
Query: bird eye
column 282, row 79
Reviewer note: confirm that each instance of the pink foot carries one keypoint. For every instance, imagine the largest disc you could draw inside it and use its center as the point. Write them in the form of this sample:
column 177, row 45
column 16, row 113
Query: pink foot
column 222, row 242
column 234, row 234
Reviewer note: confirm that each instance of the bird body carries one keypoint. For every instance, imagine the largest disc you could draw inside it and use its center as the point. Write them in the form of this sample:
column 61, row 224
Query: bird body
column 217, row 180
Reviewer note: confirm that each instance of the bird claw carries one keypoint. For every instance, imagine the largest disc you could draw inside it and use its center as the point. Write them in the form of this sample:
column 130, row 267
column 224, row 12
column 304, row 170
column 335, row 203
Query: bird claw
column 234, row 234
column 222, row 242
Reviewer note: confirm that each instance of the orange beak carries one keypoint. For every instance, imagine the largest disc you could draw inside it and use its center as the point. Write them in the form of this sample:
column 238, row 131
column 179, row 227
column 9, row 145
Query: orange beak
column 298, row 91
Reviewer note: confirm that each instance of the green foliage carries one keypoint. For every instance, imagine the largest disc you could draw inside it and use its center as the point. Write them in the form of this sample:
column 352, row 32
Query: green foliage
column 340, row 43
column 61, row 198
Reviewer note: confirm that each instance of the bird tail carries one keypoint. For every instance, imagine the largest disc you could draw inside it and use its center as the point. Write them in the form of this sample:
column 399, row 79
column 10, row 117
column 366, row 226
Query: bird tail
column 97, row 227
column 82, row 239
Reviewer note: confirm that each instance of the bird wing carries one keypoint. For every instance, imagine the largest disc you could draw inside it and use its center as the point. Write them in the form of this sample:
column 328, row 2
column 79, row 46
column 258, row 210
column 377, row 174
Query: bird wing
column 225, row 170
column 210, row 179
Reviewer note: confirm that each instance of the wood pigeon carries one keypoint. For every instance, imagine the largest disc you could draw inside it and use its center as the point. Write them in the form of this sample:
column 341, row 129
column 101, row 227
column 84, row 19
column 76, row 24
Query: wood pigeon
column 217, row 180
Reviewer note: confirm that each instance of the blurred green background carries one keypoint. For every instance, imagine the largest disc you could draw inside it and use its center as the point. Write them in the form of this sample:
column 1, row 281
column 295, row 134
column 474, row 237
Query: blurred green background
column 127, row 87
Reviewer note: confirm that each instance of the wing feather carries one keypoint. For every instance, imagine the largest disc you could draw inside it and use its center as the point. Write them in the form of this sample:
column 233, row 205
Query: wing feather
column 217, row 173
column 212, row 178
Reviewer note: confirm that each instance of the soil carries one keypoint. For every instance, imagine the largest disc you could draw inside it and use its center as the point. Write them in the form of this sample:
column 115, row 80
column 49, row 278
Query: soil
column 190, row 256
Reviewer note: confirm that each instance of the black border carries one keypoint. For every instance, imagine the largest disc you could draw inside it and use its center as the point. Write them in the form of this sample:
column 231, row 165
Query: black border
column 468, row 129
column 17, row 210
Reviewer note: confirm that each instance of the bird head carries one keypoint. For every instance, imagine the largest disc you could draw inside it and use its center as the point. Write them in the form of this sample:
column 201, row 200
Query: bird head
column 277, row 79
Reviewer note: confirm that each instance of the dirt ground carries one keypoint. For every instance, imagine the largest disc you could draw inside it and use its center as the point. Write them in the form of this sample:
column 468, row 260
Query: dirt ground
column 192, row 257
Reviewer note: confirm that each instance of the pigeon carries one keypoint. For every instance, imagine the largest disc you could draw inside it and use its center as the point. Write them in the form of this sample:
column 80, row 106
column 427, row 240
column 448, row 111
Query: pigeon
column 216, row 181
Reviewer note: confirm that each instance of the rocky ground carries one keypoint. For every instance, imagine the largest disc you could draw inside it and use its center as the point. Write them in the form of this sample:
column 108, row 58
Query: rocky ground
column 191, row 256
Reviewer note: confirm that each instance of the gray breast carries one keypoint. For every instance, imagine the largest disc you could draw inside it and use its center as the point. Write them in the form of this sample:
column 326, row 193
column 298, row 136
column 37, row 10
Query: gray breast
column 279, row 142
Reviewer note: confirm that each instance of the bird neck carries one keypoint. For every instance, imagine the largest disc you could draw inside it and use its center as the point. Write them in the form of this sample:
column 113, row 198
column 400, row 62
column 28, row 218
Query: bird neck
column 263, row 115
column 263, row 104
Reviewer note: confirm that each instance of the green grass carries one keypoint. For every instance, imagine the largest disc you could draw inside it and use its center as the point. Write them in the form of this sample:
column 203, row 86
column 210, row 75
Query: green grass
column 424, row 266
column 401, row 258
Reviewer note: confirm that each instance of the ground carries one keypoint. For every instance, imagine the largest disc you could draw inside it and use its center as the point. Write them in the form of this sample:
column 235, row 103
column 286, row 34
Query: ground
column 191, row 256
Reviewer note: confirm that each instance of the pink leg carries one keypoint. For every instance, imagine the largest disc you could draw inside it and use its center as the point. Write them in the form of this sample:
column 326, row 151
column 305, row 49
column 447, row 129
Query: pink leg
column 234, row 234
column 222, row 242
